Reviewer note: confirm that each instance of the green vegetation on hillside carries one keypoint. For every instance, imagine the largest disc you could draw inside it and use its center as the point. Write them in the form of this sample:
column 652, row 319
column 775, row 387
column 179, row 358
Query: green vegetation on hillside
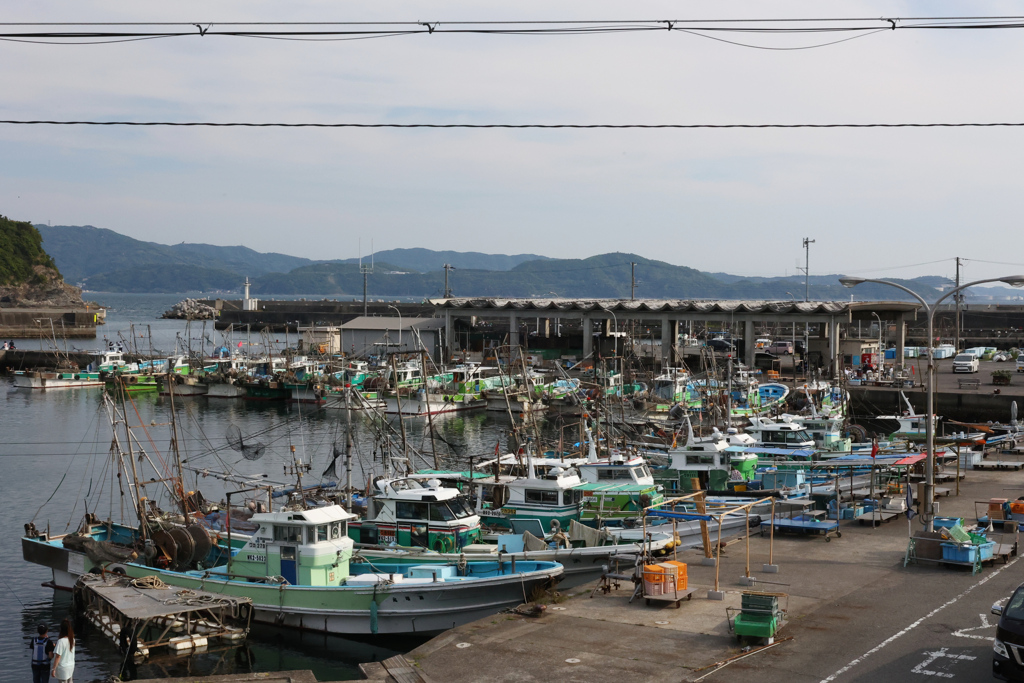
column 165, row 277
column 21, row 250
column 83, row 252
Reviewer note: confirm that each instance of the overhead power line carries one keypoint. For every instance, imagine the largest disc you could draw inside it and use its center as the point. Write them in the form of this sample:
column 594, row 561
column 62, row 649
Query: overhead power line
column 578, row 126
column 107, row 32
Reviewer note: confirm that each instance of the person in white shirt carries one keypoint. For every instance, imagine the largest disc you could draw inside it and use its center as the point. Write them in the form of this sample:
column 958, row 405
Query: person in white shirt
column 64, row 653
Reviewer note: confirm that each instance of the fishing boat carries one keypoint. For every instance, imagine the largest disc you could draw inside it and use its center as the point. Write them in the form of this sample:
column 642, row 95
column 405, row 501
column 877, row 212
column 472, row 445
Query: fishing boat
column 417, row 512
column 416, row 520
column 71, row 377
column 298, row 571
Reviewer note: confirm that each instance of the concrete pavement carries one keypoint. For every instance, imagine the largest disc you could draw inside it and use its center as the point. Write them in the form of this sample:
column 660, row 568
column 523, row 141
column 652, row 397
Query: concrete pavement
column 856, row 614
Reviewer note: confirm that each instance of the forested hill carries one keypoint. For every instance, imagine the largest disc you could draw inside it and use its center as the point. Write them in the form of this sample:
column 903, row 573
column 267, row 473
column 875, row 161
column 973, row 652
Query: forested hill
column 28, row 276
column 105, row 261
column 21, row 250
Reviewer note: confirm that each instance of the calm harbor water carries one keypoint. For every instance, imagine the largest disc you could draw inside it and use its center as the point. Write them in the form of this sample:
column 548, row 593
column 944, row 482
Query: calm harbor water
column 54, row 454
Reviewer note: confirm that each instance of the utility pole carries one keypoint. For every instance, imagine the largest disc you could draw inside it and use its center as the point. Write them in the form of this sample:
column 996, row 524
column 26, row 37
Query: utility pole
column 958, row 298
column 632, row 280
column 366, row 270
column 447, row 289
column 807, row 268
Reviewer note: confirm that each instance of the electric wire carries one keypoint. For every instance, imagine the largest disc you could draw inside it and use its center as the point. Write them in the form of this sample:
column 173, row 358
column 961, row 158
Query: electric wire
column 520, row 126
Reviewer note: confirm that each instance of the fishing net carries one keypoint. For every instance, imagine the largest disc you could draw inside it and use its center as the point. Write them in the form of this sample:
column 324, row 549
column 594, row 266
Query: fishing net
column 249, row 450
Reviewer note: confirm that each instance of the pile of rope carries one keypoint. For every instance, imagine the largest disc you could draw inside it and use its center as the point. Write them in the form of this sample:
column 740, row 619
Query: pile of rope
column 153, row 582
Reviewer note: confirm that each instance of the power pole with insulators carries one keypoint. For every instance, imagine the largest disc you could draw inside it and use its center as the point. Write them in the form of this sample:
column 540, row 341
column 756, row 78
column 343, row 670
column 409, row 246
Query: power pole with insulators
column 366, row 270
column 958, row 298
column 447, row 289
column 632, row 280
column 807, row 268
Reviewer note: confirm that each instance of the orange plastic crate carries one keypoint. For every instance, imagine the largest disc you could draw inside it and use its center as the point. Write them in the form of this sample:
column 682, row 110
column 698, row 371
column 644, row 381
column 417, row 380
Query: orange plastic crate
column 1017, row 507
column 680, row 568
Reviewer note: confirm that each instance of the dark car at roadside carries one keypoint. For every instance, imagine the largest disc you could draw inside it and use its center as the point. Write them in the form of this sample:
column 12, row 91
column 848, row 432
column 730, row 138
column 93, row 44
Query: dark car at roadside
column 1008, row 648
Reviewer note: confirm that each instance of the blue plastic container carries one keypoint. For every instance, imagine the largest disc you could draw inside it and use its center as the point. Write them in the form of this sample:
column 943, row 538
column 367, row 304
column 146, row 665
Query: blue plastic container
column 959, row 553
column 948, row 522
column 986, row 550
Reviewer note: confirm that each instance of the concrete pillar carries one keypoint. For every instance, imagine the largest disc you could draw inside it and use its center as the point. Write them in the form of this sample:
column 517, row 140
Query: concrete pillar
column 666, row 343
column 449, row 336
column 588, row 336
column 833, row 347
column 547, row 328
column 901, row 341
column 675, row 358
column 513, row 330
column 748, row 343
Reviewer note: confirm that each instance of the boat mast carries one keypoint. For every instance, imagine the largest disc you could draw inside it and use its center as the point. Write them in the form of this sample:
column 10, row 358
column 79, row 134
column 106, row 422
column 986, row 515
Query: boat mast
column 139, row 505
column 348, row 448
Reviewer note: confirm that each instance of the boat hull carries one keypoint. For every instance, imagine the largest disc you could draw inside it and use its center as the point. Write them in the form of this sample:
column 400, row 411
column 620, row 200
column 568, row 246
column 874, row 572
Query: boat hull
column 400, row 609
column 224, row 390
column 56, row 380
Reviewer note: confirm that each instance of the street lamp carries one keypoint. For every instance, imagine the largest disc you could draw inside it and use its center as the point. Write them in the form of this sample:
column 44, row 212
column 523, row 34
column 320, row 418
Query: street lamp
column 929, row 463
column 395, row 308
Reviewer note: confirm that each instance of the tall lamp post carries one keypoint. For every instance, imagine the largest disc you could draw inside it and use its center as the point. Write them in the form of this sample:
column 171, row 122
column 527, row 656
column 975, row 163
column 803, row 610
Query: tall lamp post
column 929, row 463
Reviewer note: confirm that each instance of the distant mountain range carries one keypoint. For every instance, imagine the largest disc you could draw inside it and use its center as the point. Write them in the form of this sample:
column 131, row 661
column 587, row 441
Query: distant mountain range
column 105, row 261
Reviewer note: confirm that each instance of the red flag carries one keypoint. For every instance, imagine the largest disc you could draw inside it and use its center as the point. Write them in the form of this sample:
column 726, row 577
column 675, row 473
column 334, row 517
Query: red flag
column 497, row 447
column 874, row 448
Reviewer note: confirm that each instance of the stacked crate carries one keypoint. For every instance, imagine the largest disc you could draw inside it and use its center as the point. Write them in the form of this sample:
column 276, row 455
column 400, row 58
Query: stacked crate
column 664, row 578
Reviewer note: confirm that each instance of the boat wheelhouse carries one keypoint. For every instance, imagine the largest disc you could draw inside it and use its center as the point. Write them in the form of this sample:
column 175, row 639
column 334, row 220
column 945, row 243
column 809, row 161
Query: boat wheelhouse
column 782, row 433
column 417, row 512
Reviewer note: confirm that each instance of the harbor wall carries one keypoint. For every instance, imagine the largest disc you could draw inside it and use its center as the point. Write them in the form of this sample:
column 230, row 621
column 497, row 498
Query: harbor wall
column 964, row 406
column 278, row 315
column 35, row 323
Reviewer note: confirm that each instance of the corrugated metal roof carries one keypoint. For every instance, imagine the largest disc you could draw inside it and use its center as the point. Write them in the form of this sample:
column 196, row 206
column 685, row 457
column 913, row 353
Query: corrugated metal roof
column 392, row 323
column 673, row 305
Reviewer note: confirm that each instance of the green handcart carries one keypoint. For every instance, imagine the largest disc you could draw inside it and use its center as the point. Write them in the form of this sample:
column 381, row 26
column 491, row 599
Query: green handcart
column 760, row 615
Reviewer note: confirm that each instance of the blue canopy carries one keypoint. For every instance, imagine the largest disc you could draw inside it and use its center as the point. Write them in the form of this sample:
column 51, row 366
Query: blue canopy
column 669, row 514
column 799, row 452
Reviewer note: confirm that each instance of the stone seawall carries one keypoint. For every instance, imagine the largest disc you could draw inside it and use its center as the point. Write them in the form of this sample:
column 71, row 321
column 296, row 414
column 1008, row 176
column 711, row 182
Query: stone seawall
column 36, row 323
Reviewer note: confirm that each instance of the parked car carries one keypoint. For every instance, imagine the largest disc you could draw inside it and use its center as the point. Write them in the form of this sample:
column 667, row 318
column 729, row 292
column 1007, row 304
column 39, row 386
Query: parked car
column 780, row 348
column 1020, row 363
column 721, row 345
column 965, row 362
column 1008, row 647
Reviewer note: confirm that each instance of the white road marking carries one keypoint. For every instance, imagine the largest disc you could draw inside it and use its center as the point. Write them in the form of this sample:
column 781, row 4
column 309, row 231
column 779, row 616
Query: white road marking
column 917, row 623
column 962, row 633
column 932, row 656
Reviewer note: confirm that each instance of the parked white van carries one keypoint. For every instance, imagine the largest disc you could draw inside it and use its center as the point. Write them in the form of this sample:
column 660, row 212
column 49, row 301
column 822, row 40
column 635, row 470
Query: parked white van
column 965, row 362
column 1020, row 363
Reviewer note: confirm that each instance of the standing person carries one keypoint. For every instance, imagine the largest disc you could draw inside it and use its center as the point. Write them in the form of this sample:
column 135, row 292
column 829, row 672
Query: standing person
column 64, row 653
column 42, row 653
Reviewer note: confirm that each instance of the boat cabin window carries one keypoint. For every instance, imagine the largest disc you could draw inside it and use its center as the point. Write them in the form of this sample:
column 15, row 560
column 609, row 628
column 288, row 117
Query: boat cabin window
column 570, row 497
column 317, row 534
column 339, row 530
column 439, row 512
column 641, row 472
column 787, row 437
column 542, row 497
column 461, row 507
column 409, row 510
column 609, row 473
column 288, row 533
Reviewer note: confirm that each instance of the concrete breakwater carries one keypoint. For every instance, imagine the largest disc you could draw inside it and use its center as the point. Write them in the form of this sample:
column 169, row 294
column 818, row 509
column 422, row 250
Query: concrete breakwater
column 38, row 323
column 29, row 359
column 278, row 315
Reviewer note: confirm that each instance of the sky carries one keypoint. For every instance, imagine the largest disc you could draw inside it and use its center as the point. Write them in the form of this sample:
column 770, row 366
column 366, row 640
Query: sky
column 878, row 203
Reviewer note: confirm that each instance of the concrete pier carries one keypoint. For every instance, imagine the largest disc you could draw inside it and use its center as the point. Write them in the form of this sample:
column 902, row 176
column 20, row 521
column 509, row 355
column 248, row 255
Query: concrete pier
column 37, row 323
column 855, row 614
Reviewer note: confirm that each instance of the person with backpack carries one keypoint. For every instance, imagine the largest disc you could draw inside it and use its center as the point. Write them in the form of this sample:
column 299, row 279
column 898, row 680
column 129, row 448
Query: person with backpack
column 42, row 653
column 64, row 653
